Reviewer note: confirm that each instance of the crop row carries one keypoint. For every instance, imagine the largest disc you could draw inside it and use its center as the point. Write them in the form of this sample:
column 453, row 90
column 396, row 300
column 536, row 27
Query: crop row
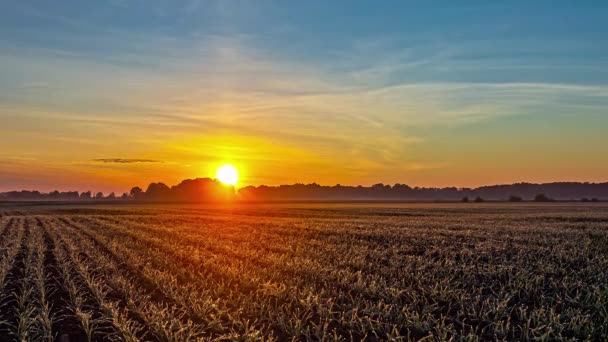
column 329, row 273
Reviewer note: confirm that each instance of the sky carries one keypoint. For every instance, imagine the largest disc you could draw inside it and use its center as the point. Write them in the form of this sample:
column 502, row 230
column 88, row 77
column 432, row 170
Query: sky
column 106, row 95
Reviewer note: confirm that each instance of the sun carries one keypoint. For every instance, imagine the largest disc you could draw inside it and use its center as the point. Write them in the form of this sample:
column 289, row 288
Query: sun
column 227, row 174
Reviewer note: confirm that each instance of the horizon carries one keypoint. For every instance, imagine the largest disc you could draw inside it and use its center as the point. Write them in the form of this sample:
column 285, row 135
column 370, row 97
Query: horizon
column 238, row 188
column 116, row 94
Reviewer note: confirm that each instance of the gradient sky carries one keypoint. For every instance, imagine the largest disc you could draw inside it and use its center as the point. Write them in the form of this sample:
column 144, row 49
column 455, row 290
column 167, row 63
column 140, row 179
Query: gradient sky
column 105, row 95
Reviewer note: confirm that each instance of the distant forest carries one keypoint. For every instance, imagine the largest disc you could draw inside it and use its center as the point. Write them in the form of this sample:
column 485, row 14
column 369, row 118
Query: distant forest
column 210, row 190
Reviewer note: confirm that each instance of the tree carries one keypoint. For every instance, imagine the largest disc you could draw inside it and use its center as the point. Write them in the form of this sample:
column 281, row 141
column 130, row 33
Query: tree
column 99, row 195
column 111, row 196
column 124, row 196
column 542, row 198
column 204, row 190
column 465, row 199
column 594, row 199
column 158, row 191
column 478, row 199
column 515, row 199
column 70, row 195
column 85, row 195
column 136, row 192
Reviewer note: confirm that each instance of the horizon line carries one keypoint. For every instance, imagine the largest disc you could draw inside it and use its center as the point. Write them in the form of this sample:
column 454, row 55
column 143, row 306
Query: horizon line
column 237, row 188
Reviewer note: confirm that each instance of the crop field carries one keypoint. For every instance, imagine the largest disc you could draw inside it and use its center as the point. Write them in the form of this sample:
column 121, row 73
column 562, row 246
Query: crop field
column 304, row 272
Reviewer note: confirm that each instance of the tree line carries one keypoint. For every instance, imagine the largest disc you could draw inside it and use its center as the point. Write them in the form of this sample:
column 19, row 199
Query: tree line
column 517, row 192
column 207, row 190
column 189, row 190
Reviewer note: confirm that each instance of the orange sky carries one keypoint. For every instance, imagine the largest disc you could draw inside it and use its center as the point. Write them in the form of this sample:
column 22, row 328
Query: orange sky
column 82, row 162
column 125, row 94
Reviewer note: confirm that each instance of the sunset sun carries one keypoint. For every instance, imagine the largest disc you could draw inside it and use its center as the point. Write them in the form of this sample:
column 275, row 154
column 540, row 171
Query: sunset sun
column 227, row 174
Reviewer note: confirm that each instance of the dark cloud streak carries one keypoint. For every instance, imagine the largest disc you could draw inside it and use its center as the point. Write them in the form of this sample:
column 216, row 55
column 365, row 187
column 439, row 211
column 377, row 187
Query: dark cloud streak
column 125, row 160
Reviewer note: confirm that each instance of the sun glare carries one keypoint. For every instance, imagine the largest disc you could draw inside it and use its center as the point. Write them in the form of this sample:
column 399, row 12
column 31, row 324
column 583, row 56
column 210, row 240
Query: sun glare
column 227, row 174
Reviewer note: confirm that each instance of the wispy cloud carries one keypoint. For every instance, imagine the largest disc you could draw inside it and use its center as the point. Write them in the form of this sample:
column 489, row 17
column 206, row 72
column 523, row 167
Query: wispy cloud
column 231, row 84
column 125, row 160
column 362, row 100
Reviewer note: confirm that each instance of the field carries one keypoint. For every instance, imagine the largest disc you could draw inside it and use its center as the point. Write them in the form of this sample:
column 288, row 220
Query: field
column 304, row 272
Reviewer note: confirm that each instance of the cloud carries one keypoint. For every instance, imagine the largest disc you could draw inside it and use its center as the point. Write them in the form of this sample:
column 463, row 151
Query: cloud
column 376, row 105
column 125, row 160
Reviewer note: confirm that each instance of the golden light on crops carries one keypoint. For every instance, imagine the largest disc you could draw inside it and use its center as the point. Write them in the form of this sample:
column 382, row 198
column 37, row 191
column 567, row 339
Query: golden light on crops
column 227, row 174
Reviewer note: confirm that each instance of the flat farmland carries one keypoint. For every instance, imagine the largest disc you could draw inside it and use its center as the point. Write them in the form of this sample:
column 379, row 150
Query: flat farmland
column 304, row 272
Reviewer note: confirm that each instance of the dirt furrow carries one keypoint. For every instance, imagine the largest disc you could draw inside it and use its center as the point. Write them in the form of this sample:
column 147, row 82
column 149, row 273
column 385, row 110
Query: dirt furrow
column 12, row 289
column 65, row 325
column 96, row 271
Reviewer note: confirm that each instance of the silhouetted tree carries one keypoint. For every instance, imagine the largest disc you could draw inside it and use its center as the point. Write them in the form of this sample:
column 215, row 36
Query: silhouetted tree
column 465, row 199
column 202, row 190
column 158, row 191
column 584, row 199
column 542, row 198
column 515, row 199
column 70, row 195
column 401, row 187
column 85, row 195
column 124, row 196
column 99, row 195
column 111, row 196
column 595, row 200
column 136, row 192
column 478, row 199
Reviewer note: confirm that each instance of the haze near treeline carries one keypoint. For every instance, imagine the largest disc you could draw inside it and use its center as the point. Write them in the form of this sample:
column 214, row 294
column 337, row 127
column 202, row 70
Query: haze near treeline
column 208, row 190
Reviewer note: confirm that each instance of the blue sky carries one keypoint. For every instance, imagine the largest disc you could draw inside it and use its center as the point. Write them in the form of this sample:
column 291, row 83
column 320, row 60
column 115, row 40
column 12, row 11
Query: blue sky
column 391, row 91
